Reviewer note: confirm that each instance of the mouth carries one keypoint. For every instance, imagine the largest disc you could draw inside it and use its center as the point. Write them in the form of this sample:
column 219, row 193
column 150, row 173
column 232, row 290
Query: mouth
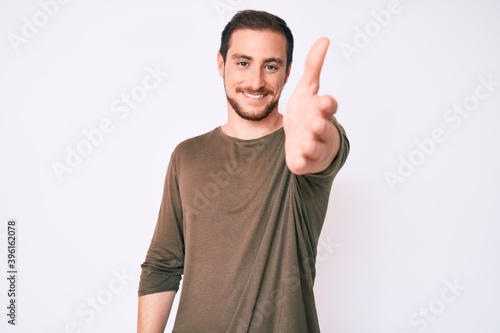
column 254, row 96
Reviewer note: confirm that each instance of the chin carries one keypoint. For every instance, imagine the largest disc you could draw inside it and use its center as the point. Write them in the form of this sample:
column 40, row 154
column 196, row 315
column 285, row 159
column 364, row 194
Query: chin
column 254, row 115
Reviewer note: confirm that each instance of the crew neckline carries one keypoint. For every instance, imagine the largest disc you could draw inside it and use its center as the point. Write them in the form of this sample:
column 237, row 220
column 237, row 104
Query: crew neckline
column 235, row 139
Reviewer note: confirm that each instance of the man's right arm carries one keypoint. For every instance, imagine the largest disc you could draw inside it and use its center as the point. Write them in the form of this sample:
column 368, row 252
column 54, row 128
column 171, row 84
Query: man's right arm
column 154, row 310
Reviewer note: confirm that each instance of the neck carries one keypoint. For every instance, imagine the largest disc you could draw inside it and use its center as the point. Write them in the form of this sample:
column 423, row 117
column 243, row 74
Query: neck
column 240, row 128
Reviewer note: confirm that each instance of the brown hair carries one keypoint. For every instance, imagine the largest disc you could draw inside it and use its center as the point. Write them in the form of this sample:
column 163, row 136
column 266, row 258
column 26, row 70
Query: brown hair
column 257, row 20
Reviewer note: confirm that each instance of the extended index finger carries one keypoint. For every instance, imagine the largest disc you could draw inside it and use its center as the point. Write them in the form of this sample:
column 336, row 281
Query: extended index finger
column 314, row 64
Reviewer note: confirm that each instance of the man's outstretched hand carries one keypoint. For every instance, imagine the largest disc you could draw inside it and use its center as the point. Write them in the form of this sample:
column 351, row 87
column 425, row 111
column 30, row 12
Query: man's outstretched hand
column 312, row 141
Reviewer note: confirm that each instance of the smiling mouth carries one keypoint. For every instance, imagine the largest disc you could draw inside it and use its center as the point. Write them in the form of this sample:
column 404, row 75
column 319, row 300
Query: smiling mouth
column 254, row 96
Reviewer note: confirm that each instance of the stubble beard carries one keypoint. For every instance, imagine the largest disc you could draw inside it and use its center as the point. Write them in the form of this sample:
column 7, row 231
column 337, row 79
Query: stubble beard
column 248, row 115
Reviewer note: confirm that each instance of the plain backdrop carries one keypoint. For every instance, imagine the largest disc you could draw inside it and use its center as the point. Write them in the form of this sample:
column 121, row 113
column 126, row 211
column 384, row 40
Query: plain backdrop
column 411, row 242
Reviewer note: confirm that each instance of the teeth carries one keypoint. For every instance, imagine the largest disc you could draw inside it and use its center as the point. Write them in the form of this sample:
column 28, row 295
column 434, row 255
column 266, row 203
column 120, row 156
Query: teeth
column 253, row 96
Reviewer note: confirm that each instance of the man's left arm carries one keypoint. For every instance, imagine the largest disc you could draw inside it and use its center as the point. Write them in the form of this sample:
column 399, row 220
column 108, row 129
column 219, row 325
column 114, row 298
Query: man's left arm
column 311, row 139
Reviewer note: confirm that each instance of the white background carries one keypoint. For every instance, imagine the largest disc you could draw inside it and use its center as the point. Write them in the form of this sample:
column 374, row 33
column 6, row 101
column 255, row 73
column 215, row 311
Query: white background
column 387, row 253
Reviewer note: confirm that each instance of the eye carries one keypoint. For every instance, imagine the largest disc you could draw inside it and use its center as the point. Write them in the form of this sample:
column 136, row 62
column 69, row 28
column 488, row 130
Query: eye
column 271, row 67
column 242, row 63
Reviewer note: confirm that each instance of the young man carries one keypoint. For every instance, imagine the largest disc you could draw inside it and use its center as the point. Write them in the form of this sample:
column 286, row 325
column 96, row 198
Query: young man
column 244, row 204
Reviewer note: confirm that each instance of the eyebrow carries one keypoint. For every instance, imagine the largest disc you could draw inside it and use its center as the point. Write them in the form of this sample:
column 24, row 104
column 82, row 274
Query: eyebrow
column 267, row 60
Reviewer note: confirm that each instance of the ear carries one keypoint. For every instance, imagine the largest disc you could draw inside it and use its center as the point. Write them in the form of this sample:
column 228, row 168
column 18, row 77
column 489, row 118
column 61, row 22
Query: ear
column 220, row 64
column 287, row 75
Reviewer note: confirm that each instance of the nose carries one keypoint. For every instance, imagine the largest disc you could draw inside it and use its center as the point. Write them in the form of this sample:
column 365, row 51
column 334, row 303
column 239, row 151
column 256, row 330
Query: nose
column 256, row 79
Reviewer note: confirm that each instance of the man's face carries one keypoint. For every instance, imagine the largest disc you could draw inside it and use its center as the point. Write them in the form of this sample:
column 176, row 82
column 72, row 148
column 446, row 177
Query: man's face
column 254, row 72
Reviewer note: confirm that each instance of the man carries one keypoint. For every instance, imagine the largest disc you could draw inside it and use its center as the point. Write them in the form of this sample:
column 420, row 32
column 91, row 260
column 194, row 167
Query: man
column 244, row 204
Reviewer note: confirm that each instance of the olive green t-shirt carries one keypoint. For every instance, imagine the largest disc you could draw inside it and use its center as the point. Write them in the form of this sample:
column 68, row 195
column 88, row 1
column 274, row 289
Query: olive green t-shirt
column 242, row 231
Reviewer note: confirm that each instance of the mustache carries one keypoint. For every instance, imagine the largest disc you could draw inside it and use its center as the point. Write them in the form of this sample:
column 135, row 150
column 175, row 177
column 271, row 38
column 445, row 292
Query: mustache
column 260, row 91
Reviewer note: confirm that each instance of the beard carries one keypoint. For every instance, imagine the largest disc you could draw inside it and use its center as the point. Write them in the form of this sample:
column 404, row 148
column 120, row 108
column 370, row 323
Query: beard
column 252, row 115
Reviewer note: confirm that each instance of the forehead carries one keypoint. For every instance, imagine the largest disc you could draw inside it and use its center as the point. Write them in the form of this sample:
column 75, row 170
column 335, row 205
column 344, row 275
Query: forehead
column 258, row 43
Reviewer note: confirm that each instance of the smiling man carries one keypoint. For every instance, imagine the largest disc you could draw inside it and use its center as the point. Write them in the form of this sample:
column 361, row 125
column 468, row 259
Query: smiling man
column 244, row 204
